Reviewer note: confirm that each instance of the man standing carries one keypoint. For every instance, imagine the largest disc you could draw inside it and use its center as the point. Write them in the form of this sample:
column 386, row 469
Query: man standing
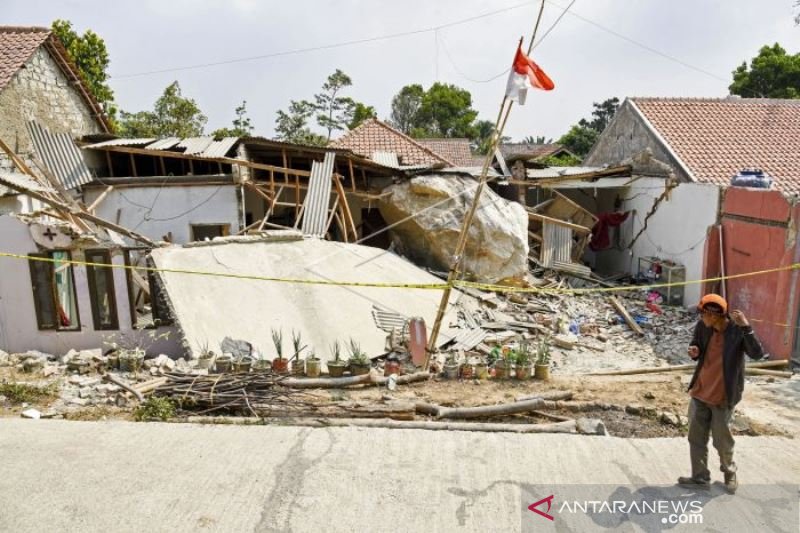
column 719, row 344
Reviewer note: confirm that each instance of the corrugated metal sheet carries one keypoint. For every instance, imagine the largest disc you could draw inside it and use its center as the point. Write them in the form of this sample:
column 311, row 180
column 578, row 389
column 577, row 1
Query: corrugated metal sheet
column 163, row 144
column 18, row 182
column 387, row 159
column 122, row 142
column 469, row 338
column 60, row 155
column 556, row 244
column 195, row 145
column 558, row 172
column 219, row 148
column 315, row 205
column 388, row 320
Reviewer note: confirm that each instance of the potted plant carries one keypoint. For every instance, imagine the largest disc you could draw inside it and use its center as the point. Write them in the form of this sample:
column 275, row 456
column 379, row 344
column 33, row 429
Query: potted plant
column 337, row 365
column 505, row 364
column 298, row 365
column 130, row 360
column 242, row 363
column 260, row 362
column 313, row 365
column 541, row 369
column 223, row 363
column 359, row 362
column 205, row 360
column 451, row 367
column 481, row 369
column 280, row 364
column 524, row 362
column 468, row 369
column 391, row 365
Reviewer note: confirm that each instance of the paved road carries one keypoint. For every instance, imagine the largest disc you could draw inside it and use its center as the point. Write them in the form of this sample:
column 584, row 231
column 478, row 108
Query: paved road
column 120, row 476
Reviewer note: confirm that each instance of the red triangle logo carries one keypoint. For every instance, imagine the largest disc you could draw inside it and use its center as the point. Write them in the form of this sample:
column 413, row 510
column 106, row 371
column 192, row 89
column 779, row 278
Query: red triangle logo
column 533, row 507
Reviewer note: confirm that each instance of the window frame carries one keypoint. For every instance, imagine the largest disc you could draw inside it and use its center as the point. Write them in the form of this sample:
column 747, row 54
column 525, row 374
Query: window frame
column 93, row 296
column 52, row 292
column 161, row 317
column 226, row 229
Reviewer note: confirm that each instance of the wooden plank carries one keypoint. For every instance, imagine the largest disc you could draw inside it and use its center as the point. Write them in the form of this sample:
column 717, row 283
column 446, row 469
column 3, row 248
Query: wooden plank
column 271, row 207
column 574, row 227
column 133, row 166
column 345, row 206
column 99, row 199
column 352, row 174
column 110, row 166
column 630, row 321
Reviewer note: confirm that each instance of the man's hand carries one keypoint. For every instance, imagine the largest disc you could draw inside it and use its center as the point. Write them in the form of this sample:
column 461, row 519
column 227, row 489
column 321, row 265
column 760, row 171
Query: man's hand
column 694, row 351
column 739, row 319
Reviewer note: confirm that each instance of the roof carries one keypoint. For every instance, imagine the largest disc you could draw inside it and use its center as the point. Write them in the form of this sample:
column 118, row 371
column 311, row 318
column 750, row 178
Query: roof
column 201, row 147
column 17, row 46
column 457, row 151
column 716, row 138
column 529, row 150
column 372, row 136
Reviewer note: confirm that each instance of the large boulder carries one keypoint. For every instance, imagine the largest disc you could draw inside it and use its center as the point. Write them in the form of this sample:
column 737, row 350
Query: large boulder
column 497, row 246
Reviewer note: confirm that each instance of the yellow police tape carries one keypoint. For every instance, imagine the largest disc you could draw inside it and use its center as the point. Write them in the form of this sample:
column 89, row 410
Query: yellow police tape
column 424, row 286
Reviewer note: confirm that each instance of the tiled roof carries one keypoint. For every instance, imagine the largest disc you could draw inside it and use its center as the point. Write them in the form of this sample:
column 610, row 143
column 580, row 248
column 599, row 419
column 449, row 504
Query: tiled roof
column 456, row 151
column 17, row 45
column 529, row 150
column 376, row 136
column 716, row 138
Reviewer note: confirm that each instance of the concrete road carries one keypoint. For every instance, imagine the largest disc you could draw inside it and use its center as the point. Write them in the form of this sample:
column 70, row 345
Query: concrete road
column 120, row 476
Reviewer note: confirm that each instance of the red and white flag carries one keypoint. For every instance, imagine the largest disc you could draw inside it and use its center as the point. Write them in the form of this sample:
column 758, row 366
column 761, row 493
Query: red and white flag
column 525, row 73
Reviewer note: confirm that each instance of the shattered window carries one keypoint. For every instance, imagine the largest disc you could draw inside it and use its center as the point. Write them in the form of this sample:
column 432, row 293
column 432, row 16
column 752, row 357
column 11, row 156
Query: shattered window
column 54, row 295
column 147, row 304
column 101, row 290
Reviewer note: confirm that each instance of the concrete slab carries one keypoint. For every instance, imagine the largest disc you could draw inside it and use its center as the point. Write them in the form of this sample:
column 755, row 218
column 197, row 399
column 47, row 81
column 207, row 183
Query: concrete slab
column 123, row 476
column 208, row 309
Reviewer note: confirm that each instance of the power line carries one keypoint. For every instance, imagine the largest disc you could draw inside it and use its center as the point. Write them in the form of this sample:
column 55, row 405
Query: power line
column 325, row 47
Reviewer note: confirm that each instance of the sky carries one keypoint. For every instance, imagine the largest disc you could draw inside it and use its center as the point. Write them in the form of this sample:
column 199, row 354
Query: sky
column 598, row 49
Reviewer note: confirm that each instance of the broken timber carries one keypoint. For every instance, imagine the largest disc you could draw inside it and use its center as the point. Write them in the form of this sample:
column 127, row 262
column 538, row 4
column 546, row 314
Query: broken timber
column 681, row 368
column 622, row 311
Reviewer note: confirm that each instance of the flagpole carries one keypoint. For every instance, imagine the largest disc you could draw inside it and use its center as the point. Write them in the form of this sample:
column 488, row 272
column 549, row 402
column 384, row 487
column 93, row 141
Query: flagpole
column 461, row 245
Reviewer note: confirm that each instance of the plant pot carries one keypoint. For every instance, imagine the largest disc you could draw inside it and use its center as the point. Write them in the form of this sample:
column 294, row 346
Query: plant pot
column 113, row 360
column 524, row 371
column 502, row 370
column 313, row 367
column 280, row 365
column 467, row 371
column 262, row 365
column 451, row 370
column 391, row 366
column 336, row 368
column 541, row 372
column 131, row 361
column 359, row 369
column 205, row 361
column 223, row 364
column 243, row 365
column 482, row 371
column 298, row 367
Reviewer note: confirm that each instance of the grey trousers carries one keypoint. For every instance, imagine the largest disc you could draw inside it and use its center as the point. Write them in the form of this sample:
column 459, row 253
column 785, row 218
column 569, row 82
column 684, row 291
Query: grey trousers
column 705, row 419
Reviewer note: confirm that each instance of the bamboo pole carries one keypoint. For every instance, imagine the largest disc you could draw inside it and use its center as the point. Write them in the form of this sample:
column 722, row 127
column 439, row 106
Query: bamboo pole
column 462, row 239
column 681, row 368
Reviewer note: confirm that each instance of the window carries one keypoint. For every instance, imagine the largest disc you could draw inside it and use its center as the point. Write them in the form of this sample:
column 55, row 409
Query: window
column 54, row 295
column 147, row 304
column 202, row 232
column 101, row 290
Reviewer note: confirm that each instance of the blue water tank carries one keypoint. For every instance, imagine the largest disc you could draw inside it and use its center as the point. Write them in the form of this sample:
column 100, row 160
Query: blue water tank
column 752, row 177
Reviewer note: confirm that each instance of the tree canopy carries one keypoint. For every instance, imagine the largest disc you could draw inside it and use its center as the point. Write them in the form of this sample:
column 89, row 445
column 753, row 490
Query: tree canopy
column 581, row 137
column 173, row 116
column 89, row 53
column 772, row 74
column 444, row 110
column 241, row 124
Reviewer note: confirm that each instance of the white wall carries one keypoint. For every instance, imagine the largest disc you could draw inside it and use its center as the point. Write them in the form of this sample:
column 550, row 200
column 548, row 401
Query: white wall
column 155, row 211
column 18, row 327
column 676, row 231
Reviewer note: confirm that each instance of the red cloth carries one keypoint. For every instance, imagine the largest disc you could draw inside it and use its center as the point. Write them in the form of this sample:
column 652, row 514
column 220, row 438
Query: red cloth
column 600, row 239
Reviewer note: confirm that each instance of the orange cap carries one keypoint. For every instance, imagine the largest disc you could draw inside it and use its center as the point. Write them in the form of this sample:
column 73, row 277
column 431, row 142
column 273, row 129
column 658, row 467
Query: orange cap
column 713, row 299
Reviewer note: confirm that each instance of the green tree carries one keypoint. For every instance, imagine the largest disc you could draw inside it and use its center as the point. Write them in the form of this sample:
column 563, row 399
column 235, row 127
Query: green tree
column 361, row 112
column 579, row 139
column 772, row 74
column 602, row 115
column 540, row 139
column 405, row 108
column 292, row 125
column 173, row 116
column 446, row 111
column 334, row 112
column 563, row 160
column 241, row 124
column 89, row 53
column 483, row 132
